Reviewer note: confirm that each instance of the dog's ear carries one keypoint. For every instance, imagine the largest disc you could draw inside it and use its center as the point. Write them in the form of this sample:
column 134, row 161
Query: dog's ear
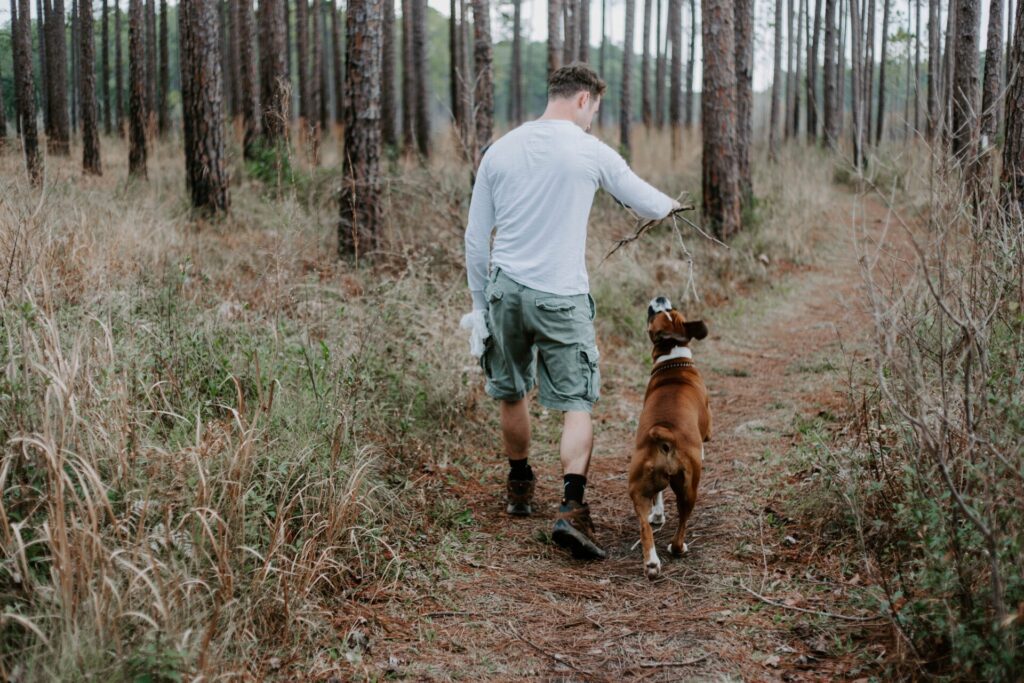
column 661, row 336
column 696, row 329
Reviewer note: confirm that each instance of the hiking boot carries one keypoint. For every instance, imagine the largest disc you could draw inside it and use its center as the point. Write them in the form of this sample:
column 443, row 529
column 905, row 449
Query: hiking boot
column 574, row 531
column 519, row 493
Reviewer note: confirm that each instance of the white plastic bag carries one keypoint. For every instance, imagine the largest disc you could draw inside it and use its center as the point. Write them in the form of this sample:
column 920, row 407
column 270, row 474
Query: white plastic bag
column 476, row 323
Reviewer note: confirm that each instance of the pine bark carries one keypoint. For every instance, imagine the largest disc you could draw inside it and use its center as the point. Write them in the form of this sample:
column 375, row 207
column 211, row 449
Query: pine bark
column 773, row 123
column 483, row 62
column 917, row 65
column 554, row 37
column 881, row 72
column 316, row 78
column 388, row 120
column 569, row 31
column 516, row 86
column 151, row 49
column 659, row 74
column 948, row 73
column 857, row 42
column 274, row 82
column 247, row 76
column 360, row 196
column 454, row 65
column 58, row 142
column 744, row 96
column 26, row 98
column 15, row 67
column 645, row 69
column 202, row 109
column 584, row 24
column 790, row 85
column 408, row 80
column 1012, row 178
column 965, row 94
column 105, row 66
column 675, row 90
column 829, row 75
column 993, row 79
column 90, row 121
column 302, row 50
column 339, row 69
column 422, row 82
column 601, row 55
column 3, row 109
column 626, row 101
column 75, row 68
column 813, row 101
column 232, row 57
column 794, row 122
column 137, row 89
column 118, row 71
column 691, row 64
column 934, row 60
column 721, row 196
column 163, row 116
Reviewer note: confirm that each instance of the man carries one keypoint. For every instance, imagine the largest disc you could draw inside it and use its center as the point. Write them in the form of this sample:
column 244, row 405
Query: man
column 535, row 187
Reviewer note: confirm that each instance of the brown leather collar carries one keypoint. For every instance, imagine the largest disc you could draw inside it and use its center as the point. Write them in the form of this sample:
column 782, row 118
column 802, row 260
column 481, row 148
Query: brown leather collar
column 673, row 364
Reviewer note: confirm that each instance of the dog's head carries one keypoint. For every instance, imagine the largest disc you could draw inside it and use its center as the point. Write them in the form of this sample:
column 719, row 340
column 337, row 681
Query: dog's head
column 668, row 329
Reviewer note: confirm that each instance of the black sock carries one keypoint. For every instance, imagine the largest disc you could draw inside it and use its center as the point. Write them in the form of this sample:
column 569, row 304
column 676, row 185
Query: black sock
column 573, row 486
column 519, row 470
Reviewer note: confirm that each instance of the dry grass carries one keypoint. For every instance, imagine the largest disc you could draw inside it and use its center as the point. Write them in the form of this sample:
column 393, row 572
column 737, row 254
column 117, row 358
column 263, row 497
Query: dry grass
column 212, row 433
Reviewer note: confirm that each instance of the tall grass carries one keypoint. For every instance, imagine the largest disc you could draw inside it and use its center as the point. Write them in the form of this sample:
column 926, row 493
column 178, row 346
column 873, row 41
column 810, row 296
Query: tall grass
column 207, row 428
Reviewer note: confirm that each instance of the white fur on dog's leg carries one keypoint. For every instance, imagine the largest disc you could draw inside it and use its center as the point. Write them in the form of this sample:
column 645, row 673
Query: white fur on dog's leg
column 657, row 515
column 702, row 452
column 686, row 549
column 653, row 567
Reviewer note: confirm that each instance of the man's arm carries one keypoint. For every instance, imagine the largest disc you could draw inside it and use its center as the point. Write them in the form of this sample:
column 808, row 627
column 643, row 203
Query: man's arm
column 478, row 236
column 619, row 180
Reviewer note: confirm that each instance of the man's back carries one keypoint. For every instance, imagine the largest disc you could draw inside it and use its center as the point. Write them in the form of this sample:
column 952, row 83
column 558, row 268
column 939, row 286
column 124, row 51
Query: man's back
column 536, row 186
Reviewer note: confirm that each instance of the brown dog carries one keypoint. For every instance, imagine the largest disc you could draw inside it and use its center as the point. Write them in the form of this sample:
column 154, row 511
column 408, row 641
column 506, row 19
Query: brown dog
column 674, row 424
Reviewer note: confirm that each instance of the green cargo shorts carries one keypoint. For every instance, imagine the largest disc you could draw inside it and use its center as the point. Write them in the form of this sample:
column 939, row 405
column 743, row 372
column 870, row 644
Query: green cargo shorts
column 542, row 335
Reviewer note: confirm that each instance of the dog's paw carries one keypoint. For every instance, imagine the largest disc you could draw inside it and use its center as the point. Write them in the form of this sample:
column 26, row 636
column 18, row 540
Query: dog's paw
column 657, row 518
column 676, row 552
column 653, row 570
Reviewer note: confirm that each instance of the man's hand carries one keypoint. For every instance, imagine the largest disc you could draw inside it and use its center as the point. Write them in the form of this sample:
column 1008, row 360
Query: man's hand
column 676, row 205
column 476, row 323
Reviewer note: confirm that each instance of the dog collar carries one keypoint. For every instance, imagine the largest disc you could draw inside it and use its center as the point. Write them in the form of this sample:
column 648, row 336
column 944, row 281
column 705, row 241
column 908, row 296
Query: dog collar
column 673, row 364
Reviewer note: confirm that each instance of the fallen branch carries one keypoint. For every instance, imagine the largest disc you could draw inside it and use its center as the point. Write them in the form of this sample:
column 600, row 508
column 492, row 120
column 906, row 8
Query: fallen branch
column 845, row 617
column 643, row 226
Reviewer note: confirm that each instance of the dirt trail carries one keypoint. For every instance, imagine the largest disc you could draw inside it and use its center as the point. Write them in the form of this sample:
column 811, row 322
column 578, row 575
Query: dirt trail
column 513, row 606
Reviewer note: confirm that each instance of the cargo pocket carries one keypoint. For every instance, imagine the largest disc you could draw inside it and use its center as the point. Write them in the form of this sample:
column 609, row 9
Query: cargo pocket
column 591, row 371
column 564, row 306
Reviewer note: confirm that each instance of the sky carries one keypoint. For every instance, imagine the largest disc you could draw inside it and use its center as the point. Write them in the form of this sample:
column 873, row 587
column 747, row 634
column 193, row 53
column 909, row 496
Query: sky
column 535, row 26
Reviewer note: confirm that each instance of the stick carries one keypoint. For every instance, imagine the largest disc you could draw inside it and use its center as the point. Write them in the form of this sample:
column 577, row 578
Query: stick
column 845, row 617
column 644, row 226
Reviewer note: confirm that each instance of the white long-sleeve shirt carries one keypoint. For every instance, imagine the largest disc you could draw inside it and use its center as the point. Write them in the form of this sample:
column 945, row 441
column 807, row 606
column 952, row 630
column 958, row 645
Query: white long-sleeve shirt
column 535, row 187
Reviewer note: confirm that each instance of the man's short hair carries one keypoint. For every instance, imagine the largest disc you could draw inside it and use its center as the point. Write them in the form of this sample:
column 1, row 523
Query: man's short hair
column 572, row 78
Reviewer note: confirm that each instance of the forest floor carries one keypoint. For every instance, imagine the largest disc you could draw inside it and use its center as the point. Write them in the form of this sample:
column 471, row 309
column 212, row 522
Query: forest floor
column 754, row 599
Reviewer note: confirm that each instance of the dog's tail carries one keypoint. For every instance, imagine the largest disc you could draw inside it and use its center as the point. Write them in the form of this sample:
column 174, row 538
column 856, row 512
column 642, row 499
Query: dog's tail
column 664, row 443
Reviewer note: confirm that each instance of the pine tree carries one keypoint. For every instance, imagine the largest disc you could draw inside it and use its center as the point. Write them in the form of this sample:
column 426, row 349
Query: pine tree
column 408, row 80
column 118, row 70
column 813, row 101
column 202, row 118
column 483, row 62
column 720, row 186
column 90, row 123
column 339, row 69
column 645, row 69
column 137, row 89
column 675, row 90
column 388, row 120
column 1012, row 179
column 274, row 83
column 626, row 101
column 773, row 123
column 830, row 78
column 691, row 64
column 990, row 109
column 659, row 72
column 554, row 38
column 515, row 114
column 26, row 91
column 422, row 79
column 302, row 50
column 744, row 96
column 250, row 104
column 163, row 116
column 360, row 212
column 965, row 83
column 105, row 67
column 58, row 142
column 881, row 72
column 934, row 59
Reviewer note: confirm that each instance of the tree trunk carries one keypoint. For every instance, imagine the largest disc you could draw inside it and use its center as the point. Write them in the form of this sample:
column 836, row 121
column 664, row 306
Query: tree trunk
column 584, row 24
column 325, row 69
column 626, row 101
column 339, row 81
column 247, row 76
column 483, row 61
column 798, row 75
column 645, row 68
column 58, row 142
column 1012, row 179
column 844, row 23
column 917, row 65
column 965, row 97
column 675, row 89
column 232, row 57
column 990, row 102
column 773, row 124
column 468, row 125
column 137, row 89
column 948, row 73
column 315, row 79
column 857, row 42
column 163, row 119
column 359, row 199
column 26, row 95
column 90, row 121
column 516, row 86
column 43, row 14
column 118, row 71
column 75, row 67
column 721, row 197
column 659, row 73
column 302, row 52
column 202, row 109
column 691, row 64
column 408, row 88
column 388, row 114
column 105, row 67
column 15, row 67
column 744, row 96
column 934, row 59
column 274, row 83
column 601, row 55
column 151, row 48
column 790, row 85
column 868, row 72
column 830, row 77
column 813, row 101
column 554, row 38
column 454, row 64
column 881, row 72
column 422, row 82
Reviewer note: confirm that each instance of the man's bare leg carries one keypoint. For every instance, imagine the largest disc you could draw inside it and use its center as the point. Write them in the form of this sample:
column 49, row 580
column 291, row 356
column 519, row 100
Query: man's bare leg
column 515, row 428
column 577, row 442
